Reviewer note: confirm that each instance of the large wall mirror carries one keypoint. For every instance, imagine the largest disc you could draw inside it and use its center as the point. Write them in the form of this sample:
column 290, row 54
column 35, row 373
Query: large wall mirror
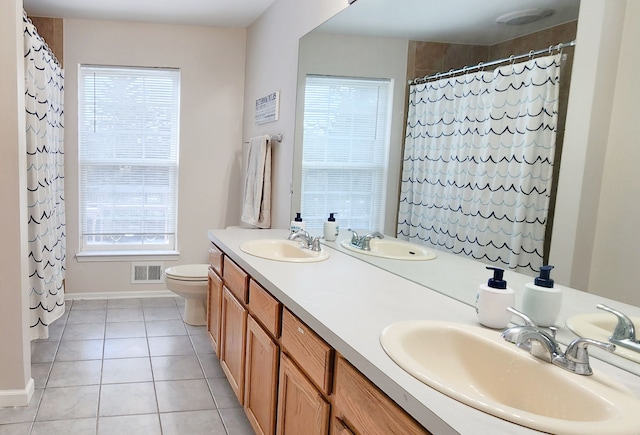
column 384, row 39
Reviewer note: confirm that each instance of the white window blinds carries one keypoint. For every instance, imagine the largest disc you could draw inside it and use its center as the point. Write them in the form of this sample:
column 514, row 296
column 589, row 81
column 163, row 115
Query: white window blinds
column 128, row 122
column 345, row 151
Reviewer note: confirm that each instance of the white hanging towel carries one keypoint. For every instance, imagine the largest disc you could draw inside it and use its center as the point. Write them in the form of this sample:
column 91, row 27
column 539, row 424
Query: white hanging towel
column 256, row 203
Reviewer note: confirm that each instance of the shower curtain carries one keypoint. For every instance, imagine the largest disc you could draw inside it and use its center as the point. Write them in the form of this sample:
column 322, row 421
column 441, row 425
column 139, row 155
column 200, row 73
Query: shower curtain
column 478, row 162
column 44, row 90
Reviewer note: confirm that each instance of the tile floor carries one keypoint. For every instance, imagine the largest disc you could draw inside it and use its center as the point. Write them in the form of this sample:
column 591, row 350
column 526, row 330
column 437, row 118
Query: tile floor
column 126, row 366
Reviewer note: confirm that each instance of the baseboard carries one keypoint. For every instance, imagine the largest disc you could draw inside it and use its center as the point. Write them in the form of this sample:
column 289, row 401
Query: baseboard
column 120, row 295
column 9, row 398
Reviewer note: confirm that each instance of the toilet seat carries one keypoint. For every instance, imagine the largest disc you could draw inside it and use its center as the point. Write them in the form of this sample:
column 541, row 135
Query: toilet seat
column 188, row 272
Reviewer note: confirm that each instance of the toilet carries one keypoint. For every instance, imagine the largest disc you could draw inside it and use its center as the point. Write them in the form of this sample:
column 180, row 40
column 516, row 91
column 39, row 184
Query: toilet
column 190, row 281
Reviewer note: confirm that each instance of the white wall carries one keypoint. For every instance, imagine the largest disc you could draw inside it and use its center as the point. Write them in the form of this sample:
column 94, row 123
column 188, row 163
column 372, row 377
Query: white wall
column 590, row 118
column 616, row 250
column 212, row 63
column 331, row 54
column 272, row 65
column 16, row 384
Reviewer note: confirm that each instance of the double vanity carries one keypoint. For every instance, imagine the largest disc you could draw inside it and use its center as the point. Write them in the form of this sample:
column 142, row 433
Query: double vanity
column 319, row 340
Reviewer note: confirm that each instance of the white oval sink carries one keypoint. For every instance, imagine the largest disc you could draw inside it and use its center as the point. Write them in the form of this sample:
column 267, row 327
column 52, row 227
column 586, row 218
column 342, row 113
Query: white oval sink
column 477, row 367
column 600, row 326
column 393, row 249
column 282, row 250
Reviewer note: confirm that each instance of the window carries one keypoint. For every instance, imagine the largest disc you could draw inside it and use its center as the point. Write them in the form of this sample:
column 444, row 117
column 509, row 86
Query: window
column 345, row 151
column 128, row 157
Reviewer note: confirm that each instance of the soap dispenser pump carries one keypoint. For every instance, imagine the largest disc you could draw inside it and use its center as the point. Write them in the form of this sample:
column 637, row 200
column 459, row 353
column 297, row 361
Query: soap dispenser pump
column 493, row 299
column 331, row 228
column 541, row 299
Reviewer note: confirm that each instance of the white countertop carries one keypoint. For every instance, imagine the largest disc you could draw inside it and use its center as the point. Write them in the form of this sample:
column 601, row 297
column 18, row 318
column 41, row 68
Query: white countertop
column 349, row 302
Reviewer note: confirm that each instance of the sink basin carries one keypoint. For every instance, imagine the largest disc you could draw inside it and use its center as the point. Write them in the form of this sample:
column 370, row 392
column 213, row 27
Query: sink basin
column 477, row 367
column 394, row 249
column 600, row 326
column 282, row 250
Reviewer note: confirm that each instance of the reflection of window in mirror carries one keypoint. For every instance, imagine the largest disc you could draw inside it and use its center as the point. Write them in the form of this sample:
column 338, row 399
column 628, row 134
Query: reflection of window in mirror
column 345, row 151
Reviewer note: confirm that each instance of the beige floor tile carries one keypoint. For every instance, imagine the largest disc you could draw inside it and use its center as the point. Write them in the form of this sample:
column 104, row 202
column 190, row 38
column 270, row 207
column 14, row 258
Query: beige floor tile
column 68, row 403
column 125, row 348
column 78, row 350
column 173, row 345
column 169, row 368
column 84, row 331
column 83, row 426
column 127, row 399
column 75, row 373
column 187, row 395
column 147, row 424
column 125, row 315
column 121, row 371
column 164, row 328
column 125, row 330
column 192, row 423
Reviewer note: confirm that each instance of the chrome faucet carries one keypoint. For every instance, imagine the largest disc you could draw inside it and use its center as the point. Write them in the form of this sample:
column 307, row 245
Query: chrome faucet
column 306, row 240
column 543, row 345
column 363, row 241
column 625, row 332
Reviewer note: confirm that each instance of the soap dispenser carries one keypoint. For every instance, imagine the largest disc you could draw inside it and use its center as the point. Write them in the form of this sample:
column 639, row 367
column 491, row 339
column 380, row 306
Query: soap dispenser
column 297, row 224
column 541, row 300
column 331, row 228
column 493, row 299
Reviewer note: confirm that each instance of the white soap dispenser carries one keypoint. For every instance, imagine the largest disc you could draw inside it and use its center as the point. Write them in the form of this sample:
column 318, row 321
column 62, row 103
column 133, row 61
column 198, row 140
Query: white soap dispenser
column 331, row 228
column 541, row 300
column 493, row 299
column 297, row 224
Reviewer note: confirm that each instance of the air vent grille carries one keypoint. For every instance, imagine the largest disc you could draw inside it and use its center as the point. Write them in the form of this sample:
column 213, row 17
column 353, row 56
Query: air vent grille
column 146, row 273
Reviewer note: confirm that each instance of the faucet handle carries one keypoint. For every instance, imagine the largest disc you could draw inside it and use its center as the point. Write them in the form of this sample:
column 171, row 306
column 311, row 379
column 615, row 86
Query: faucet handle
column 528, row 321
column 624, row 329
column 578, row 353
column 355, row 239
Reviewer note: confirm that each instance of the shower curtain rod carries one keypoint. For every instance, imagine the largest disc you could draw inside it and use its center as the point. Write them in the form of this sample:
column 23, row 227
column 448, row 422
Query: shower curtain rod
column 481, row 65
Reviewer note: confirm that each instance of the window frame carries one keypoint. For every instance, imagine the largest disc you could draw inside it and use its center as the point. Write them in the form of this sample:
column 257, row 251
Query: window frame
column 169, row 244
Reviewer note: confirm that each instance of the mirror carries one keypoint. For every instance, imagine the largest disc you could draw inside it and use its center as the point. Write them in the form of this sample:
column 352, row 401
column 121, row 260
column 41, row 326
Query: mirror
column 372, row 38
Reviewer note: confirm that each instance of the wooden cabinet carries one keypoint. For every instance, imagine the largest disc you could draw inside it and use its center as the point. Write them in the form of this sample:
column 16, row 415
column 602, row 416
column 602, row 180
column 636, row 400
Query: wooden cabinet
column 302, row 409
column 308, row 350
column 287, row 378
column 214, row 305
column 261, row 378
column 361, row 408
column 233, row 329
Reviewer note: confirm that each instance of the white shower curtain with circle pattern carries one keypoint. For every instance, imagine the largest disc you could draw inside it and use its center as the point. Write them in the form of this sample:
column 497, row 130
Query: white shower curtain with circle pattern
column 44, row 91
column 478, row 163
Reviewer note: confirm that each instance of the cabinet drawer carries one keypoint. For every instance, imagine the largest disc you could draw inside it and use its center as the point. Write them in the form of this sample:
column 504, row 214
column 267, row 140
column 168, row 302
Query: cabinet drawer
column 363, row 408
column 235, row 279
column 215, row 258
column 265, row 308
column 308, row 350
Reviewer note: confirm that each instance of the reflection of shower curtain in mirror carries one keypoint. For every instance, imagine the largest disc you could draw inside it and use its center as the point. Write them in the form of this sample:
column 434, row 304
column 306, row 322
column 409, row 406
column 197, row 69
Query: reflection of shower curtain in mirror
column 478, row 160
column 44, row 84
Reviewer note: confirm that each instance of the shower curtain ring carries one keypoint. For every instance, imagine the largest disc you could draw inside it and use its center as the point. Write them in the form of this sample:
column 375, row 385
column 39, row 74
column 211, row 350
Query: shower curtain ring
column 531, row 54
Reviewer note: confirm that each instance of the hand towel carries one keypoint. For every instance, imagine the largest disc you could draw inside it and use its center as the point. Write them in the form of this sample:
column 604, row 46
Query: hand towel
column 256, row 203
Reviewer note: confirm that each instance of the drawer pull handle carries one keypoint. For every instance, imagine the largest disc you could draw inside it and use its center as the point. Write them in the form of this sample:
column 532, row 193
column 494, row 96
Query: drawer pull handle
column 300, row 330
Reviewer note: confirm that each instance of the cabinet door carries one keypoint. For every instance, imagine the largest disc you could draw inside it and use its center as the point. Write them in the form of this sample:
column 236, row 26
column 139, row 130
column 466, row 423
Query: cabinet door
column 261, row 379
column 301, row 407
column 214, row 302
column 360, row 407
column 233, row 328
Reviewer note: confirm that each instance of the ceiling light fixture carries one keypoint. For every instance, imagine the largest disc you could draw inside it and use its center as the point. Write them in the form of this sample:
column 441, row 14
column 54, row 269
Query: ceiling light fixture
column 528, row 16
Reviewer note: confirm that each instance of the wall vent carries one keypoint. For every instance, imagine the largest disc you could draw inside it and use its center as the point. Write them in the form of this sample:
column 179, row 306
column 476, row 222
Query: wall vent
column 144, row 273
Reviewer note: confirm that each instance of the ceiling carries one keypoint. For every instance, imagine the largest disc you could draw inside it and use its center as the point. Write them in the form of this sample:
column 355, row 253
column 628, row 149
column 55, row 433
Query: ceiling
column 216, row 13
column 454, row 21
